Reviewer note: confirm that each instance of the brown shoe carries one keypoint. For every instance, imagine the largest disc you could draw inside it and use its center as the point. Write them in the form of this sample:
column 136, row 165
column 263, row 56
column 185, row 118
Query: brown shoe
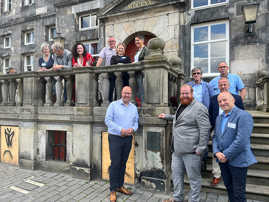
column 124, row 191
column 113, row 196
column 215, row 181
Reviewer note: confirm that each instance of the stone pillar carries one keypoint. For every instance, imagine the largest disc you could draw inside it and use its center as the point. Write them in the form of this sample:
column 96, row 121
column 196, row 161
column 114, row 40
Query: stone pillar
column 132, row 84
column 48, row 101
column 19, row 92
column 69, row 89
column 5, row 94
column 266, row 95
column 59, row 91
column 29, row 89
column 83, row 88
column 103, row 83
column 12, row 92
column 118, row 84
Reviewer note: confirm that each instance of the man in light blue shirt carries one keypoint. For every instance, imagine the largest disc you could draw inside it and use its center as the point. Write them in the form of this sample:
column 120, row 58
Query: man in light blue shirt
column 122, row 121
column 200, row 87
column 237, row 86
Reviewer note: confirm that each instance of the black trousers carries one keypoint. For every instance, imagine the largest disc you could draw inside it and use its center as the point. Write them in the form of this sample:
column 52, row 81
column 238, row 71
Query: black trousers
column 119, row 148
column 112, row 83
column 234, row 179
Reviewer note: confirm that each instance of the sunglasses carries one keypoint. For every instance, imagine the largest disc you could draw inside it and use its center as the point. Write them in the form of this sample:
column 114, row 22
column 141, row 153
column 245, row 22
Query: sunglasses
column 196, row 73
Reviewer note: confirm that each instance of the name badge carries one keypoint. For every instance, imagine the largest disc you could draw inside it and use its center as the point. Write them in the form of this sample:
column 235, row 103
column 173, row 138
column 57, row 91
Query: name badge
column 231, row 125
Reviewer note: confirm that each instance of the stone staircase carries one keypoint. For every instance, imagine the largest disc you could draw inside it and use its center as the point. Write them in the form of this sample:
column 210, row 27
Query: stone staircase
column 258, row 174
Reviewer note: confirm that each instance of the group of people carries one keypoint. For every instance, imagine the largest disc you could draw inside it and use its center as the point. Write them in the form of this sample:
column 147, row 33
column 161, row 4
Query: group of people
column 61, row 58
column 215, row 108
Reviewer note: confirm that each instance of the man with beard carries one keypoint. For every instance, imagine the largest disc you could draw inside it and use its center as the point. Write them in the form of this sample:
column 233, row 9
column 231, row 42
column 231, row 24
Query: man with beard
column 190, row 137
column 122, row 121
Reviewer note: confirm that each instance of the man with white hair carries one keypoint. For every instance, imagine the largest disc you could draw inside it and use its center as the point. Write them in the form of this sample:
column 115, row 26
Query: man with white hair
column 62, row 57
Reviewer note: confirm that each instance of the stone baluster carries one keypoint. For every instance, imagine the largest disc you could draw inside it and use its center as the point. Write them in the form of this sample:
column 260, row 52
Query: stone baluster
column 4, row 92
column 48, row 100
column 12, row 92
column 59, row 91
column 132, row 84
column 19, row 92
column 103, row 83
column 41, row 93
column 69, row 89
column 118, row 84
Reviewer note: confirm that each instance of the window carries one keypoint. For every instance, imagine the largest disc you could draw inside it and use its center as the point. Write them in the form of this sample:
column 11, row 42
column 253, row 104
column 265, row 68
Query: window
column 209, row 46
column 7, row 5
column 28, row 37
column 205, row 3
column 6, row 64
column 88, row 22
column 28, row 63
column 52, row 33
column 28, row 2
column 91, row 48
column 7, row 42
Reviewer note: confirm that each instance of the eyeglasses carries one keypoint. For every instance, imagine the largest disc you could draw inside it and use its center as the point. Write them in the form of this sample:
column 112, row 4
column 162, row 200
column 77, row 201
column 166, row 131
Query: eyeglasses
column 112, row 41
column 194, row 73
column 222, row 66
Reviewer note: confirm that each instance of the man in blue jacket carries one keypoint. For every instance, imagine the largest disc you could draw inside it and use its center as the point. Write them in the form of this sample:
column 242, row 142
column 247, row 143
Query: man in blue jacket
column 231, row 146
column 214, row 111
column 200, row 87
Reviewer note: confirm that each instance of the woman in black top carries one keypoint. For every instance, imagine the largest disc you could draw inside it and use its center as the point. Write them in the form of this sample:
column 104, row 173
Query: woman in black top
column 121, row 58
column 46, row 61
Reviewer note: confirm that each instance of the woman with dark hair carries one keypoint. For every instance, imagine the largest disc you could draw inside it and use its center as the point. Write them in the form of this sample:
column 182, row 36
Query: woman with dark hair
column 81, row 58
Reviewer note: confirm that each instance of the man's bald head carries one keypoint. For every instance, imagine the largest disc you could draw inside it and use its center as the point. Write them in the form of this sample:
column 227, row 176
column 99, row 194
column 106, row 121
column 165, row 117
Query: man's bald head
column 126, row 94
column 226, row 101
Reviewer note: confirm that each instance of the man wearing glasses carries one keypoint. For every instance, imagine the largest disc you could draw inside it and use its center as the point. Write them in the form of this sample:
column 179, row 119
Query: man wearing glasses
column 105, row 55
column 200, row 87
column 236, row 84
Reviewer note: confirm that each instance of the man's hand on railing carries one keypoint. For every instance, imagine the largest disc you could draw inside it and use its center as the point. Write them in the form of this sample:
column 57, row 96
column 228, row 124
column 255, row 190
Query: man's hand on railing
column 58, row 67
column 161, row 116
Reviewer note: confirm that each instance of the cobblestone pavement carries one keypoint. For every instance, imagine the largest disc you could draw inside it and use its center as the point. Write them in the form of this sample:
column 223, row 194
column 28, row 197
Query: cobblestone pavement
column 35, row 185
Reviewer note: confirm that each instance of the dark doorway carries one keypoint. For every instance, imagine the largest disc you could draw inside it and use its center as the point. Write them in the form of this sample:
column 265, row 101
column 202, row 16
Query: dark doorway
column 130, row 43
column 56, row 147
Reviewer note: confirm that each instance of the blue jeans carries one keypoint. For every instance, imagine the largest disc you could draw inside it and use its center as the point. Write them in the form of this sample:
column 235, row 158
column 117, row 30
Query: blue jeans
column 235, row 181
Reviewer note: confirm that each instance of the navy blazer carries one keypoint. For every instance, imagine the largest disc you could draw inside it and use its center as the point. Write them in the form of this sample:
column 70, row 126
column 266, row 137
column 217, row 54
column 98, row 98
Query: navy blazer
column 234, row 142
column 214, row 108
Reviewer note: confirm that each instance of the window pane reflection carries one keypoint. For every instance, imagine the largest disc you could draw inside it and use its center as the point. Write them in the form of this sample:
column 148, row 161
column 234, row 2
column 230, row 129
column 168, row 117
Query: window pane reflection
column 218, row 31
column 201, row 34
column 197, row 3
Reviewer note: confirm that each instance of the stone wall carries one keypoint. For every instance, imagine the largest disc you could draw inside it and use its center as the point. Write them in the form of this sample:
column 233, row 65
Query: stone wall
column 163, row 22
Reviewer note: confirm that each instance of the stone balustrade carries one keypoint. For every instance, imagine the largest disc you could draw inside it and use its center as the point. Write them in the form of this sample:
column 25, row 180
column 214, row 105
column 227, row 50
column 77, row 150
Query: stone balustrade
column 88, row 86
column 262, row 91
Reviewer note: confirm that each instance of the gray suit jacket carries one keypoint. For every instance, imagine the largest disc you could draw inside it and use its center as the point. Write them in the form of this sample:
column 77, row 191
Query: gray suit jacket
column 191, row 129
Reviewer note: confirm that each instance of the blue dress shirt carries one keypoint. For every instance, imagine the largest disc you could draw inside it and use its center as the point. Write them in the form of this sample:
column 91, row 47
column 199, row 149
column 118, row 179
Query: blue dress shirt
column 236, row 84
column 120, row 116
column 197, row 92
column 224, row 120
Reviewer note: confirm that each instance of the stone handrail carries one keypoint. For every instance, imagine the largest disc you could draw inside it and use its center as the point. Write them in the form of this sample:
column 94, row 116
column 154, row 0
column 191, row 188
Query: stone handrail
column 55, row 88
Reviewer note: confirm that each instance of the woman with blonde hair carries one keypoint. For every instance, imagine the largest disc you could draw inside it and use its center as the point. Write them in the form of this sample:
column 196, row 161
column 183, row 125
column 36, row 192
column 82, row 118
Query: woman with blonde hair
column 46, row 61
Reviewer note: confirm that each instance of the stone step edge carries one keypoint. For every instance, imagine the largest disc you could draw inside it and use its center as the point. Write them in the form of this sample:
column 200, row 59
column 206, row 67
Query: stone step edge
column 261, row 125
column 250, row 188
column 259, row 135
column 258, row 114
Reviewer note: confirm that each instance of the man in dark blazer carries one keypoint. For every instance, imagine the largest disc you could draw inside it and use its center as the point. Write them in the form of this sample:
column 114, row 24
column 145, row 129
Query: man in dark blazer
column 214, row 111
column 231, row 146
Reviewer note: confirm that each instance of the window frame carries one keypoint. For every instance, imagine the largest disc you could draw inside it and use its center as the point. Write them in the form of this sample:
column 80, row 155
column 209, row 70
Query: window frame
column 209, row 41
column 5, row 67
column 25, row 66
column 7, row 6
column 5, row 46
column 90, row 27
column 25, row 37
column 90, row 43
column 49, row 33
column 208, row 5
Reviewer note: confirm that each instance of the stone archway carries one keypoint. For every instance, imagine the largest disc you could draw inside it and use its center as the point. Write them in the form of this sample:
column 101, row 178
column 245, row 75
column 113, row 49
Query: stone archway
column 130, row 43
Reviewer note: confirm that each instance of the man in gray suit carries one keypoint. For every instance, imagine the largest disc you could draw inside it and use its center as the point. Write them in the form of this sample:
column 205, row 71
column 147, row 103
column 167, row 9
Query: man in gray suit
column 190, row 137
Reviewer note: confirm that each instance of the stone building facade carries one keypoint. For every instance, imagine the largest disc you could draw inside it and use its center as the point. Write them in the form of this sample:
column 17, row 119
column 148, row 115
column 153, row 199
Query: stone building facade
column 25, row 24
